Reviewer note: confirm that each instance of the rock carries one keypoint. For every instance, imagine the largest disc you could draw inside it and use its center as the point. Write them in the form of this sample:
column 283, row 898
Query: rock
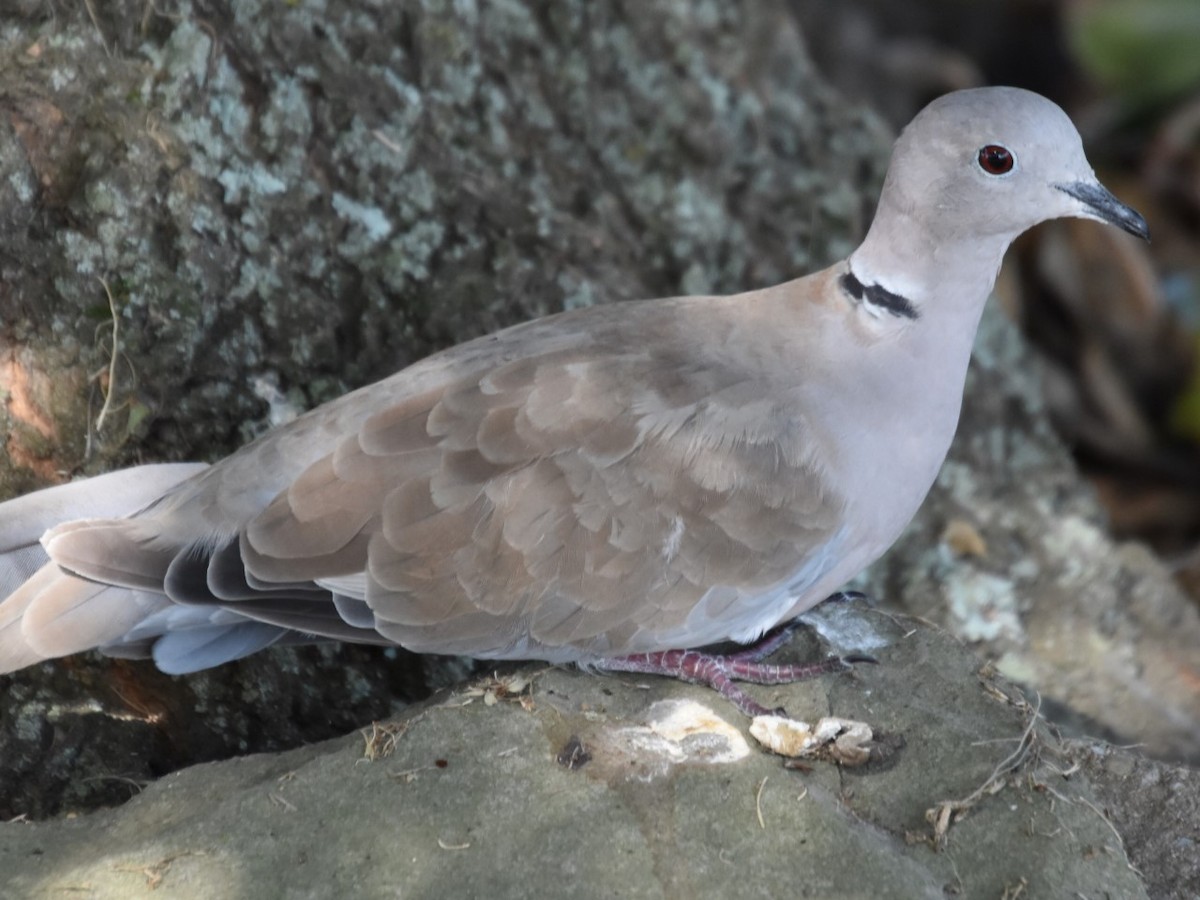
column 575, row 789
column 1147, row 799
column 288, row 201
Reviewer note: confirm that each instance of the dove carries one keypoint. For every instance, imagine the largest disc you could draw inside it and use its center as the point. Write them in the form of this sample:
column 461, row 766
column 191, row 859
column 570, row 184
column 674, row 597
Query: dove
column 610, row 486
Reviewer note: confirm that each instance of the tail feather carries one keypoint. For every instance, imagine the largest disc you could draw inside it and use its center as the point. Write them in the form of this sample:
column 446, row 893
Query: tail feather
column 185, row 639
column 18, row 565
column 70, row 614
column 114, row 551
column 16, row 652
column 194, row 649
column 80, row 572
column 55, row 614
column 23, row 520
column 48, row 612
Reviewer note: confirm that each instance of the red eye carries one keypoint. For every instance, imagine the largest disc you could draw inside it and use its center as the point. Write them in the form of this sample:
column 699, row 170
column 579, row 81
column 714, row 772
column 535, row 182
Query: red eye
column 995, row 160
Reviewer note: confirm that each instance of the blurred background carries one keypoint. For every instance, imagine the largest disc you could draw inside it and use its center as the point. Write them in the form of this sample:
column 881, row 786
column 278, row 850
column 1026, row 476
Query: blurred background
column 1117, row 322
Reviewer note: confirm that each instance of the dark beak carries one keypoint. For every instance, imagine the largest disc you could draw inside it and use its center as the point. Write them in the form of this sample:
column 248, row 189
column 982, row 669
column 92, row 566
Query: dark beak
column 1107, row 208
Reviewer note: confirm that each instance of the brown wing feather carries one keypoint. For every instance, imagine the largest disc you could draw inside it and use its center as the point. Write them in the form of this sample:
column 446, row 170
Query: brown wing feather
column 584, row 484
column 560, row 497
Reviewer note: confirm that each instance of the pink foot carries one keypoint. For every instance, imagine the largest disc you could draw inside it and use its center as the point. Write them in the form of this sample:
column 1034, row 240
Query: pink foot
column 719, row 671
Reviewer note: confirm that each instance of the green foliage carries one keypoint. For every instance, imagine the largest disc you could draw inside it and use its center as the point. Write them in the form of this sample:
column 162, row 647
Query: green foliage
column 1146, row 51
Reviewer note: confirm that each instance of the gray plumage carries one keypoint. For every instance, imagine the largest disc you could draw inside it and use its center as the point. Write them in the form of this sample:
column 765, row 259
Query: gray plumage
column 613, row 480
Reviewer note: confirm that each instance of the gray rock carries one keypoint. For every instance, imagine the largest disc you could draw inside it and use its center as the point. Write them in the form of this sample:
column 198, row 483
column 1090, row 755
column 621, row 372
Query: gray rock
column 1149, row 800
column 289, row 201
column 566, row 792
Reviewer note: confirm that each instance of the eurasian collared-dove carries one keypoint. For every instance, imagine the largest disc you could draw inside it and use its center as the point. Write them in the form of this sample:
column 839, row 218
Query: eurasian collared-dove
column 598, row 486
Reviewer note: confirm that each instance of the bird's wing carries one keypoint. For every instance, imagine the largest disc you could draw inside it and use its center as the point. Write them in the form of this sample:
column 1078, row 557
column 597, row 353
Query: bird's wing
column 563, row 497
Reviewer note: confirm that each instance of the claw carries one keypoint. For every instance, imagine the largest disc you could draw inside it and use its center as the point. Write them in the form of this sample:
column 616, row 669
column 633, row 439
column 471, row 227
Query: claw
column 852, row 658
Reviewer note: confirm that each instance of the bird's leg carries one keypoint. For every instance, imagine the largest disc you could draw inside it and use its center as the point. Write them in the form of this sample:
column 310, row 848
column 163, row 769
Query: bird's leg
column 719, row 671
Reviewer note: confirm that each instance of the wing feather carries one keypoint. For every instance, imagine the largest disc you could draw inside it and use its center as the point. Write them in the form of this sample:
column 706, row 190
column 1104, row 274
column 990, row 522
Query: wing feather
column 556, row 491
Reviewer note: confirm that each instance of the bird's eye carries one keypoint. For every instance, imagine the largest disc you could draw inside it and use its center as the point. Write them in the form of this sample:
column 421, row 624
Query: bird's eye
column 995, row 160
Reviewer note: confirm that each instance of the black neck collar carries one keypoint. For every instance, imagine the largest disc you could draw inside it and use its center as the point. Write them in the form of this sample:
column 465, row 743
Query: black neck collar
column 879, row 296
